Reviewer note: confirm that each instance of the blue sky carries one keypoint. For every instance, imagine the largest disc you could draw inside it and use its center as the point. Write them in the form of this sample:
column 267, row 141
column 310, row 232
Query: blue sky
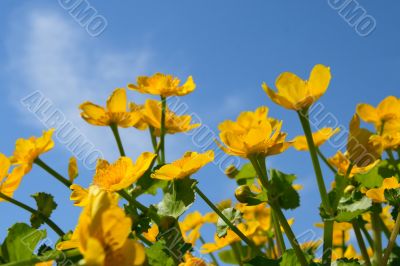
column 230, row 47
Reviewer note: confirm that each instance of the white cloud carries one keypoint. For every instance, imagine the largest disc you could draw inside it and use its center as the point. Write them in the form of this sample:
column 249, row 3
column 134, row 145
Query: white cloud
column 51, row 53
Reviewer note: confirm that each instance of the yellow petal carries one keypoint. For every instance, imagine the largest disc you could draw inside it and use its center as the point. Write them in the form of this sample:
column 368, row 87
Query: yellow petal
column 4, row 166
column 79, row 195
column 167, row 172
column 72, row 169
column 367, row 113
column 319, row 80
column 117, row 102
column 94, row 114
column 94, row 254
column 278, row 99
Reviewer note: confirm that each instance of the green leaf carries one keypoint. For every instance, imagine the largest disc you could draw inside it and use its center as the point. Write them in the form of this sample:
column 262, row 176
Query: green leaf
column 45, row 205
column 376, row 175
column 246, row 175
column 21, row 242
column 233, row 216
column 289, row 258
column 157, row 255
column 179, row 197
column 281, row 189
column 228, row 256
column 346, row 262
column 148, row 185
column 261, row 261
column 393, row 196
column 341, row 183
column 352, row 206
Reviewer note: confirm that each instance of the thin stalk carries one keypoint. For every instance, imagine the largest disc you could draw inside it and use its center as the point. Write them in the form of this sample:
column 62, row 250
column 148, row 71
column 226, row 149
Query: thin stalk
column 236, row 253
column 278, row 234
column 162, row 137
column 377, row 237
column 226, row 220
column 47, row 220
column 271, row 249
column 261, row 170
column 392, row 240
column 366, row 233
column 213, row 258
column 54, row 255
column 325, row 160
column 154, row 143
column 139, row 205
column 303, row 115
column 393, row 161
column 361, row 243
column 305, row 123
column 144, row 240
column 114, row 128
column 290, row 235
column 51, row 171
column 384, row 227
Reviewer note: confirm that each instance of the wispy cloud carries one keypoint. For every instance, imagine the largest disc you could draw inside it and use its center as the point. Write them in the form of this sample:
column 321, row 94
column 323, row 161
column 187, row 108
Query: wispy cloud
column 48, row 52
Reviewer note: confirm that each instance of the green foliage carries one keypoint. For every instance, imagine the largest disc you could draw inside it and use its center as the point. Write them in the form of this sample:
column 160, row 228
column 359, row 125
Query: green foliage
column 179, row 197
column 393, row 196
column 21, row 242
column 246, row 175
column 148, row 185
column 157, row 255
column 346, row 262
column 289, row 258
column 281, row 189
column 376, row 175
column 352, row 206
column 262, row 261
column 233, row 215
column 45, row 205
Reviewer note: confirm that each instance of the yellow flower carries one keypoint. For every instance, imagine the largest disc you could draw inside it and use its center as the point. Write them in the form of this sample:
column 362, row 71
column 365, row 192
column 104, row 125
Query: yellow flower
column 377, row 194
column 27, row 150
column 386, row 110
column 298, row 94
column 189, row 164
column 102, row 234
column 152, row 233
column 139, row 110
column 163, row 85
column 173, row 123
column 79, row 195
column 72, row 169
column 349, row 253
column 122, row 173
column 260, row 213
column 191, row 225
column 360, row 149
column 9, row 182
column 342, row 163
column 319, row 137
column 114, row 113
column 252, row 134
column 192, row 261
column 45, row 263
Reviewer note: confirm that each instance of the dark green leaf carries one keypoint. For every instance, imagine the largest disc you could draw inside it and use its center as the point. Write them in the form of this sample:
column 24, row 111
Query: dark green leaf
column 289, row 258
column 228, row 256
column 262, row 261
column 21, row 242
column 45, row 205
column 148, row 185
column 179, row 197
column 246, row 175
column 282, row 190
column 346, row 262
column 233, row 216
column 393, row 196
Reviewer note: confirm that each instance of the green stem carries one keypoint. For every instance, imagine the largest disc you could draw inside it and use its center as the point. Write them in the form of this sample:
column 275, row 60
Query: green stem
column 51, row 171
column 392, row 240
column 361, row 224
column 55, row 255
column 226, row 220
column 361, row 243
column 162, row 134
column 384, row 228
column 393, row 161
column 377, row 236
column 278, row 233
column 260, row 167
column 213, row 258
column 114, row 128
column 325, row 160
column 236, row 253
column 303, row 115
column 139, row 206
column 289, row 233
column 47, row 220
column 144, row 240
column 154, row 143
column 305, row 123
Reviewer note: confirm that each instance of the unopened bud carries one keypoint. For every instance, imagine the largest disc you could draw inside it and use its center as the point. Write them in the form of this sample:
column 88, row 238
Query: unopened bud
column 231, row 171
column 243, row 194
column 349, row 189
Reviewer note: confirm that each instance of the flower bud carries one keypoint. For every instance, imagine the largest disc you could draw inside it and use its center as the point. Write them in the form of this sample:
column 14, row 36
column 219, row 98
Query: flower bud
column 243, row 194
column 231, row 171
column 349, row 189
